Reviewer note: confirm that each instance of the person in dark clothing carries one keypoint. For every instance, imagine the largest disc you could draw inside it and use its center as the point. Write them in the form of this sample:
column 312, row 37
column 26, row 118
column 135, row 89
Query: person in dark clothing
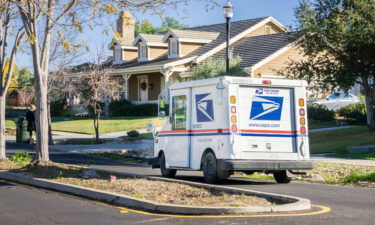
column 30, row 117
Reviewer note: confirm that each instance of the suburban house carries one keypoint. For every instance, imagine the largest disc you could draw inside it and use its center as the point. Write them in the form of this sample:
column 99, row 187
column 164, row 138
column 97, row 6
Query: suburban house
column 145, row 65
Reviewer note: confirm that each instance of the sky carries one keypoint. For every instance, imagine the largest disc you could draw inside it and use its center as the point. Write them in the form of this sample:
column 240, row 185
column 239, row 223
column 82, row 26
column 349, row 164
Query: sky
column 196, row 14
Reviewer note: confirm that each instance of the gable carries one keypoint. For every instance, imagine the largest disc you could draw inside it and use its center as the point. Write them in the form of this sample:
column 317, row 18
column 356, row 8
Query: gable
column 268, row 28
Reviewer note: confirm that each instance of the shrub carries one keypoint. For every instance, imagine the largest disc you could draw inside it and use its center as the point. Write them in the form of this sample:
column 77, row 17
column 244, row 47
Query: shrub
column 354, row 113
column 21, row 158
column 320, row 112
column 59, row 107
column 133, row 133
column 126, row 108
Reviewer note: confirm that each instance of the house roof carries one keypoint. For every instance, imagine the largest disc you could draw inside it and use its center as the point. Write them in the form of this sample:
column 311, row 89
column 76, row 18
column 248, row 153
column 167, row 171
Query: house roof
column 150, row 39
column 215, row 47
column 186, row 35
column 252, row 50
column 237, row 27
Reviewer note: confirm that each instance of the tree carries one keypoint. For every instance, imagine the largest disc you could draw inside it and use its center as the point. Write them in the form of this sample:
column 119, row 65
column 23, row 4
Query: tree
column 171, row 23
column 144, row 27
column 8, row 50
column 337, row 38
column 47, row 19
column 94, row 90
column 215, row 67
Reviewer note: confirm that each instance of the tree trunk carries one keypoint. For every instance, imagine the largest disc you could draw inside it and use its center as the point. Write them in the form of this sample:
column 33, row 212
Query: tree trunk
column 42, row 120
column 50, row 138
column 369, row 108
column 96, row 126
column 2, row 127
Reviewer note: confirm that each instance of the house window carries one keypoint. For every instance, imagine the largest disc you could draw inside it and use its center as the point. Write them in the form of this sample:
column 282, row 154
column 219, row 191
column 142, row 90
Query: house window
column 142, row 52
column 118, row 54
column 173, row 48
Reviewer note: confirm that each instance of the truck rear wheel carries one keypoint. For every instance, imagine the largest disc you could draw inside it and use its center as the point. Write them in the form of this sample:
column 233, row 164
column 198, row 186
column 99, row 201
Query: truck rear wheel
column 168, row 173
column 281, row 177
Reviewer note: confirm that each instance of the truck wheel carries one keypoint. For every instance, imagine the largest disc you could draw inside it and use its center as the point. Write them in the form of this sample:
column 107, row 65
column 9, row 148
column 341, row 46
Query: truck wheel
column 210, row 168
column 281, row 177
column 168, row 173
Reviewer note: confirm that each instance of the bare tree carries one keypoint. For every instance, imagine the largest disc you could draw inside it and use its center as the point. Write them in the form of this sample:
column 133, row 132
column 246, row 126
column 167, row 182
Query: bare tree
column 41, row 18
column 94, row 90
column 8, row 27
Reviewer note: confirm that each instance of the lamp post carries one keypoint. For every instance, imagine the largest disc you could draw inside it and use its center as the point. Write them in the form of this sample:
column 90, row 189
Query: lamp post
column 228, row 13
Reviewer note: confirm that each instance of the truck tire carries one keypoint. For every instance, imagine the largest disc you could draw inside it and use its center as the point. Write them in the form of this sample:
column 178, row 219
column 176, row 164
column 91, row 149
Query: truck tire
column 281, row 177
column 168, row 173
column 210, row 168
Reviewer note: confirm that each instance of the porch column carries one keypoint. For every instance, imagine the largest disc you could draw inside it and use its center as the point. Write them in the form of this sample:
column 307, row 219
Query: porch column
column 167, row 74
column 126, row 87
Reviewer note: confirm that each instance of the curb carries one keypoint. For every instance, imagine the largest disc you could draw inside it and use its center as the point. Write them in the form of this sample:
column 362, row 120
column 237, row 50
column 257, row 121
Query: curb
column 290, row 203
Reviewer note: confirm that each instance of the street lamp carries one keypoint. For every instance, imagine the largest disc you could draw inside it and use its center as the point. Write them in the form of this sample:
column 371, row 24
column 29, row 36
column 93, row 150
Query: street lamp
column 228, row 13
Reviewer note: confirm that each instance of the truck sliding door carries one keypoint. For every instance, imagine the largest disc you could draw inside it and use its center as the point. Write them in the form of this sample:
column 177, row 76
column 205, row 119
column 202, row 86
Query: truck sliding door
column 179, row 144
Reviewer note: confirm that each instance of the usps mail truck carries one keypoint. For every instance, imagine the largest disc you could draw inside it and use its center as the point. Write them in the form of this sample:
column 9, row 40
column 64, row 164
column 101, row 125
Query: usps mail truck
column 227, row 124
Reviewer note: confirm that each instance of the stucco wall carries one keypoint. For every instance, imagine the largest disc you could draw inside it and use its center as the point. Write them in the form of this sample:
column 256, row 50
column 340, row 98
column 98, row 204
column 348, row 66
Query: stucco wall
column 156, row 52
column 186, row 48
column 129, row 55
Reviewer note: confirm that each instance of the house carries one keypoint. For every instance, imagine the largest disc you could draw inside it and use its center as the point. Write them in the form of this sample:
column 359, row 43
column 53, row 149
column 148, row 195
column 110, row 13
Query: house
column 145, row 65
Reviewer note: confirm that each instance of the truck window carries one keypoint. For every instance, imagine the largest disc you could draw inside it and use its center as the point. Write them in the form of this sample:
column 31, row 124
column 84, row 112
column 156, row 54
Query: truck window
column 179, row 112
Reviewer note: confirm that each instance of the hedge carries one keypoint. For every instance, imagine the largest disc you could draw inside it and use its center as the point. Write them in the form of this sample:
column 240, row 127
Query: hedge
column 126, row 108
column 320, row 112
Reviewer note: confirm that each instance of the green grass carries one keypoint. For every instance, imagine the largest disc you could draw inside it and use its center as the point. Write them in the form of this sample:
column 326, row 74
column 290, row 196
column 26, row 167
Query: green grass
column 113, row 156
column 356, row 155
column 336, row 141
column 357, row 176
column 259, row 176
column 106, row 125
column 316, row 124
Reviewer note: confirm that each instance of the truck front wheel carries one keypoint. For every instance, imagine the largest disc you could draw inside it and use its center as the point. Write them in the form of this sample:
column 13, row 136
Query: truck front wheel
column 168, row 173
column 281, row 177
column 210, row 168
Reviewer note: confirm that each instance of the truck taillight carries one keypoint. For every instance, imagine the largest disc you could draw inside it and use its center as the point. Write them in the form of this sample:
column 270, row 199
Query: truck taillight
column 233, row 119
column 234, row 128
column 302, row 112
column 268, row 82
column 233, row 109
column 302, row 121
column 303, row 130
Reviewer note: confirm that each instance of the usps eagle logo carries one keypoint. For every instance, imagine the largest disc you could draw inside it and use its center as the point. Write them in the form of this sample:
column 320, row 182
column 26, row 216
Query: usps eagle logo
column 204, row 106
column 266, row 108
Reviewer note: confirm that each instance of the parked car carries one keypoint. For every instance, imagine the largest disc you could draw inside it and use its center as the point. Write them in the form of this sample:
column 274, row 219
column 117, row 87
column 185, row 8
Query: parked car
column 337, row 100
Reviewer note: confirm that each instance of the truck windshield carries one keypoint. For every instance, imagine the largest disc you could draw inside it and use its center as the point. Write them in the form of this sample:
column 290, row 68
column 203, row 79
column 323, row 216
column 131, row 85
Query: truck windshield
column 179, row 112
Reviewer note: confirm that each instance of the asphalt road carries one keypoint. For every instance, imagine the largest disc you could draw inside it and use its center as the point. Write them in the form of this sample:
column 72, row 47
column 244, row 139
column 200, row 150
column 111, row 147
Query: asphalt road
column 26, row 205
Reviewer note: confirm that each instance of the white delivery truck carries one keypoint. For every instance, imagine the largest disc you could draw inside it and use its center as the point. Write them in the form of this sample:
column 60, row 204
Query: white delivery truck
column 228, row 124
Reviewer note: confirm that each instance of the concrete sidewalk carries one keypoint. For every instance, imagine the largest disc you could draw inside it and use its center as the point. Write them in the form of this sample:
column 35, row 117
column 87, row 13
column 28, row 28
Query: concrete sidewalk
column 356, row 162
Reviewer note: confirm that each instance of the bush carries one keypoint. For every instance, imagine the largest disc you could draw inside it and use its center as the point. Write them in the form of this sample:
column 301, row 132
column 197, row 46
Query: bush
column 126, row 108
column 354, row 113
column 133, row 133
column 21, row 158
column 320, row 112
column 59, row 107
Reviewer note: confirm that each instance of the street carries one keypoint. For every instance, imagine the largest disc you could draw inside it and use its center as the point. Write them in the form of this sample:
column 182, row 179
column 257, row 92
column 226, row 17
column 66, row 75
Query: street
column 29, row 205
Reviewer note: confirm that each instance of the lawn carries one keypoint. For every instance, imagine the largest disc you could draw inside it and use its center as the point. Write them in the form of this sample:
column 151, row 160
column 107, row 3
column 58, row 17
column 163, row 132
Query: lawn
column 356, row 155
column 336, row 141
column 316, row 124
column 107, row 125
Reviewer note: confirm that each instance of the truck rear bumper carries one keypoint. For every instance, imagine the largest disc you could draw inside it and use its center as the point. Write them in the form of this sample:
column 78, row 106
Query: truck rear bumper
column 263, row 165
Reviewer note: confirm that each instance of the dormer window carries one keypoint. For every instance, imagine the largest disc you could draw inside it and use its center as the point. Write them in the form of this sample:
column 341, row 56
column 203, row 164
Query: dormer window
column 143, row 52
column 174, row 50
column 118, row 54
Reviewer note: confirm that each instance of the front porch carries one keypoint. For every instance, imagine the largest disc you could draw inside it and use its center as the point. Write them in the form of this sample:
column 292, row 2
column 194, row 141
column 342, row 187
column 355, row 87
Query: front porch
column 144, row 88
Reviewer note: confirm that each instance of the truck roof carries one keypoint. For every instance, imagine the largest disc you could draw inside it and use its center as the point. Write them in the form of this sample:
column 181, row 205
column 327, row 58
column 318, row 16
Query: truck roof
column 239, row 80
